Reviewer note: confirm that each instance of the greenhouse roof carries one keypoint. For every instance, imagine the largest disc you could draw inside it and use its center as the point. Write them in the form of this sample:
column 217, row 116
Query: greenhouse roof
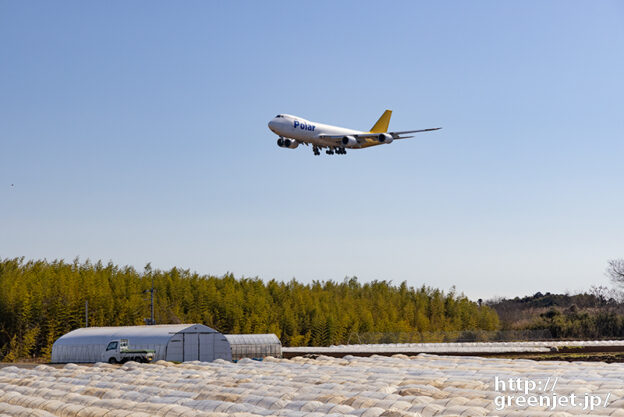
column 138, row 334
column 252, row 339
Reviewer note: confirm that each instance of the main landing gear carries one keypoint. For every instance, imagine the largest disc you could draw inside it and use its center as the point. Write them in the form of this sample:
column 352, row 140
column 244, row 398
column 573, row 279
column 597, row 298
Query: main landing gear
column 330, row 151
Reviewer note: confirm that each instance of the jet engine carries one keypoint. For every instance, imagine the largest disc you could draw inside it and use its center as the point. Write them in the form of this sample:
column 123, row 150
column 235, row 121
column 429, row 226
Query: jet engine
column 385, row 138
column 349, row 141
column 287, row 143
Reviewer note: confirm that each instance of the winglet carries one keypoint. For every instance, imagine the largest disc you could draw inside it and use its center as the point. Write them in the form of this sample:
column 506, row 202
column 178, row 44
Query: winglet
column 382, row 124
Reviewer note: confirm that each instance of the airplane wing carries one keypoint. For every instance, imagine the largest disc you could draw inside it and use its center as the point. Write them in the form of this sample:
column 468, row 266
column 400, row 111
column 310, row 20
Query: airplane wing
column 395, row 135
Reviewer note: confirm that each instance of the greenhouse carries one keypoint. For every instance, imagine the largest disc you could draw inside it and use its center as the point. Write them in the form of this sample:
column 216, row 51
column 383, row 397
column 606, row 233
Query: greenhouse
column 174, row 342
column 254, row 346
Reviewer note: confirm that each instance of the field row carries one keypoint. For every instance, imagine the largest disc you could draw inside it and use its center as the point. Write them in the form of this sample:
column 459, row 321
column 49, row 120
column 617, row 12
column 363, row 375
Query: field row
column 424, row 385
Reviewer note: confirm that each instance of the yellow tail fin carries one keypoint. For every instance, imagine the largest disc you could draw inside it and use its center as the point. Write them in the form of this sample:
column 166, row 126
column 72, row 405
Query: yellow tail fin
column 382, row 124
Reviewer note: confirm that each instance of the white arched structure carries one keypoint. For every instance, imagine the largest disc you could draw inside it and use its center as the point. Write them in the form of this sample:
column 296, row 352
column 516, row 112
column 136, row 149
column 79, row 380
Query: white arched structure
column 171, row 342
column 254, row 346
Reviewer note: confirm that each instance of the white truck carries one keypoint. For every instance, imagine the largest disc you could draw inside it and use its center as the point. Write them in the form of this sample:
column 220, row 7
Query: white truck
column 117, row 351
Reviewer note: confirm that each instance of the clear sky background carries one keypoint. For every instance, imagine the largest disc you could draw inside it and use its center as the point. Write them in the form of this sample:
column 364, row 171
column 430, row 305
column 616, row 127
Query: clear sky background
column 137, row 132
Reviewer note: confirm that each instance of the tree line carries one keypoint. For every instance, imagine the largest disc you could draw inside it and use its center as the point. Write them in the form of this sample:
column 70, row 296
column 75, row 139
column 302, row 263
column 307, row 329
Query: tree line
column 41, row 300
column 596, row 314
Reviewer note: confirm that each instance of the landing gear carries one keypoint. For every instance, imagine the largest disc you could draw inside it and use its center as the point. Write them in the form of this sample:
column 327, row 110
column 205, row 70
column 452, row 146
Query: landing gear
column 330, row 150
column 338, row 151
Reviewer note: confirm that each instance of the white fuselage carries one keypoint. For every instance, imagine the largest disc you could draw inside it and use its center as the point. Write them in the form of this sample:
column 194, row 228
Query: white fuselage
column 303, row 130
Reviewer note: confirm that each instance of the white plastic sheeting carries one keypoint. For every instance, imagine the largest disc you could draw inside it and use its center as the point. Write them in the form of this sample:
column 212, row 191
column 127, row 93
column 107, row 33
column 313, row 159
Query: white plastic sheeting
column 460, row 347
column 424, row 385
column 176, row 342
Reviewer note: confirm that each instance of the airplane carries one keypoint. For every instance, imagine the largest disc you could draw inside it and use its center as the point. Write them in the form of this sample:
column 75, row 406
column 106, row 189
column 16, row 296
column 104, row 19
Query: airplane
column 294, row 130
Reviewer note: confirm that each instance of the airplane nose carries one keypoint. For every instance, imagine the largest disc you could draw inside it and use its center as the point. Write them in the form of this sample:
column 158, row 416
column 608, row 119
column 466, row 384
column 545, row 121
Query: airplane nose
column 272, row 124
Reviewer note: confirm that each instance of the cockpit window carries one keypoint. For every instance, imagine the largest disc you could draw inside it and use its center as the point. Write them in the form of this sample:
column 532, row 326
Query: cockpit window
column 278, row 116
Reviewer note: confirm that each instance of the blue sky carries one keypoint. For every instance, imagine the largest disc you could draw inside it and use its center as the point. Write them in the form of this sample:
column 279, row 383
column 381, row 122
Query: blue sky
column 137, row 132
